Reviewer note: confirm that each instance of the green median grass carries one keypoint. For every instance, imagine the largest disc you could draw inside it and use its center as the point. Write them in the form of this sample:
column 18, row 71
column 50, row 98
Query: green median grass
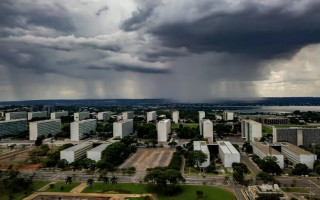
column 66, row 188
column 295, row 190
column 23, row 194
column 189, row 191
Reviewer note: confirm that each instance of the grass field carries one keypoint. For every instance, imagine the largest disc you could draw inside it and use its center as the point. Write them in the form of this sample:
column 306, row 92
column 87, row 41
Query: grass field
column 23, row 194
column 191, row 125
column 66, row 188
column 189, row 191
column 296, row 190
column 135, row 198
column 266, row 130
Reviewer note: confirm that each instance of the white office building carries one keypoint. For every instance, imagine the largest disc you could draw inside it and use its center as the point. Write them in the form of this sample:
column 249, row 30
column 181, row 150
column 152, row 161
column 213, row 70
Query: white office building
column 163, row 129
column 175, row 116
column 202, row 115
column 207, row 128
column 2, row 114
column 80, row 129
column 202, row 146
column 297, row 135
column 151, row 116
column 76, row 152
column 58, row 115
column 127, row 115
column 228, row 154
column 251, row 130
column 16, row 115
column 264, row 150
column 104, row 116
column 123, row 128
column 227, row 116
column 40, row 114
column 12, row 127
column 297, row 155
column 45, row 127
column 81, row 116
column 96, row 153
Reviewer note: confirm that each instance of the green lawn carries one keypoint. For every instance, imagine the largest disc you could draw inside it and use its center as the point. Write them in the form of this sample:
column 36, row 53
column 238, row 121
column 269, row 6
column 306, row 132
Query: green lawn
column 189, row 191
column 266, row 130
column 135, row 198
column 296, row 190
column 23, row 194
column 66, row 188
column 191, row 125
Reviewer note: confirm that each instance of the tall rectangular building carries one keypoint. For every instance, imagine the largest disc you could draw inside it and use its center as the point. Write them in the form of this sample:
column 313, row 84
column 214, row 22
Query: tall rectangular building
column 16, row 115
column 202, row 115
column 202, row 146
column 264, row 150
column 163, row 129
column 12, row 127
column 40, row 114
column 104, row 116
column 76, row 152
column 207, row 127
column 127, row 115
column 96, row 153
column 175, row 116
column 151, row 116
column 79, row 129
column 81, row 116
column 297, row 135
column 228, row 154
column 58, row 115
column 123, row 128
column 251, row 130
column 45, row 127
column 227, row 116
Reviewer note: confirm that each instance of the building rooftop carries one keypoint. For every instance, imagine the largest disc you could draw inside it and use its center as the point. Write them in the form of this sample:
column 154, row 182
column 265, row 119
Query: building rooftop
column 251, row 121
column 266, row 148
column 79, row 146
column 124, row 121
column 164, row 120
column 200, row 145
column 227, row 147
column 44, row 121
column 14, row 120
column 295, row 149
column 207, row 121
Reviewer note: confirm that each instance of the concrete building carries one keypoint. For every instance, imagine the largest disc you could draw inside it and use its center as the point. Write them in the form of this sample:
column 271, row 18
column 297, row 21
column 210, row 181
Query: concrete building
column 202, row 146
column 58, row 115
column 12, row 127
column 76, row 152
column 151, row 116
column 175, row 116
column 202, row 115
column 40, row 114
column 297, row 155
column 163, row 129
column 253, row 192
column 104, row 116
column 81, row 116
column 48, row 108
column 263, row 150
column 79, row 129
column 16, row 115
column 251, row 130
column 127, row 115
column 2, row 114
column 267, row 119
column 227, row 116
column 96, row 153
column 45, row 127
column 207, row 127
column 123, row 128
column 228, row 154
column 297, row 135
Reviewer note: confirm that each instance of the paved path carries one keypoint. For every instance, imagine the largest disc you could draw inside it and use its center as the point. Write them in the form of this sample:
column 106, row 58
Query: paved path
column 44, row 188
column 79, row 188
column 251, row 165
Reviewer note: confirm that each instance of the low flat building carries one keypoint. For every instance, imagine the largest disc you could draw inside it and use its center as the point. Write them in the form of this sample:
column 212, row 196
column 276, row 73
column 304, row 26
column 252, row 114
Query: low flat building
column 267, row 119
column 76, row 152
column 251, row 130
column 79, row 129
column 207, row 128
column 58, row 115
column 228, row 154
column 40, row 114
column 45, row 128
column 16, row 115
column 123, row 128
column 96, row 153
column 253, row 192
column 297, row 135
column 127, row 115
column 228, row 116
column 175, row 116
column 151, row 116
column 202, row 146
column 12, row 127
column 264, row 150
column 104, row 116
column 163, row 130
column 81, row 116
column 297, row 155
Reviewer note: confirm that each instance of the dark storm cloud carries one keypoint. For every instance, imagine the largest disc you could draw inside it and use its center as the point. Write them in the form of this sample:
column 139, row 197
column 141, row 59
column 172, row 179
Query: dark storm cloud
column 130, row 68
column 251, row 30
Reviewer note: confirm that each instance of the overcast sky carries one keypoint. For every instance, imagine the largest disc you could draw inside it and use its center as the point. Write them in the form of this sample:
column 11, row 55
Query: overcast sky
column 187, row 50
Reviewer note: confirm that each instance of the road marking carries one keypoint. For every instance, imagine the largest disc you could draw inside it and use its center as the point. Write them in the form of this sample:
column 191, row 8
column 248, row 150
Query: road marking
column 314, row 183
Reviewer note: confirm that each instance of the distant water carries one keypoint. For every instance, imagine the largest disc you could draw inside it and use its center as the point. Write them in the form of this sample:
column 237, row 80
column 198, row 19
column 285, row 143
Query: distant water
column 273, row 109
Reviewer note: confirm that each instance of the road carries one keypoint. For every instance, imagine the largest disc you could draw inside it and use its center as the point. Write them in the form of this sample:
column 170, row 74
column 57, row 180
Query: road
column 251, row 165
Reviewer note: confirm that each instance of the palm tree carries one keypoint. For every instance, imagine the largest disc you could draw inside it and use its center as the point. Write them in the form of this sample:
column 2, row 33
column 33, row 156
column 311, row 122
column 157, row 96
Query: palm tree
column 90, row 181
column 114, row 181
column 69, row 180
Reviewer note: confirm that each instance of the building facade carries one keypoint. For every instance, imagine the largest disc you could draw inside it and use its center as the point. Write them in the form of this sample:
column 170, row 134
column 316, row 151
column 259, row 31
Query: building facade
column 175, row 116
column 297, row 135
column 40, row 114
column 45, row 128
column 81, row 116
column 263, row 150
column 151, row 116
column 96, row 153
column 163, row 129
column 123, row 128
column 228, row 154
column 104, row 116
column 80, row 129
column 202, row 146
column 251, row 130
column 76, row 152
column 16, row 115
column 207, row 127
column 58, row 115
column 202, row 115
column 227, row 116
column 127, row 115
column 12, row 127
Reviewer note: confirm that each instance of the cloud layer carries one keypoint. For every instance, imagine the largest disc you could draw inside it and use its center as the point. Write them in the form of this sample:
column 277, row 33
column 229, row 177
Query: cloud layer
column 191, row 51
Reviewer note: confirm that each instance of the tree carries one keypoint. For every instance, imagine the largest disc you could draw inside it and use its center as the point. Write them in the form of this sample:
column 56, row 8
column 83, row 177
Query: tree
column 114, row 181
column 172, row 144
column 68, row 180
column 238, row 174
column 197, row 158
column 90, row 181
column 87, row 163
column 317, row 169
column 301, row 169
column 242, row 165
column 265, row 177
column 63, row 163
column 39, row 140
